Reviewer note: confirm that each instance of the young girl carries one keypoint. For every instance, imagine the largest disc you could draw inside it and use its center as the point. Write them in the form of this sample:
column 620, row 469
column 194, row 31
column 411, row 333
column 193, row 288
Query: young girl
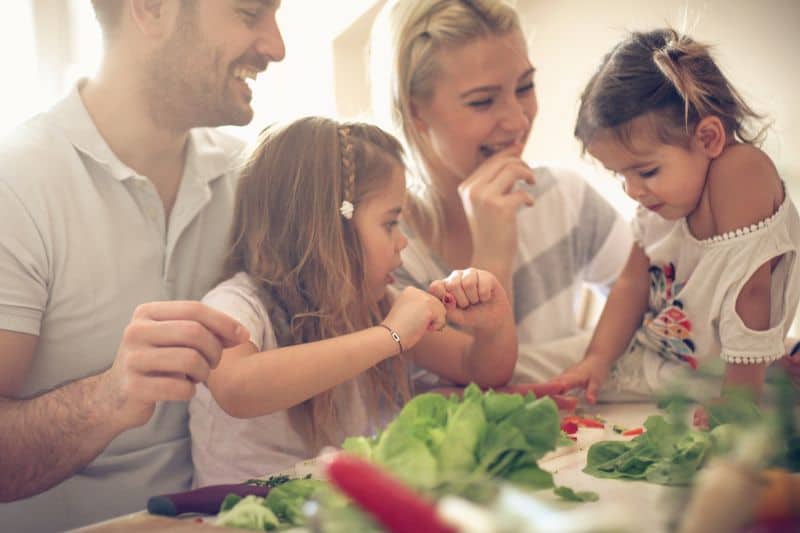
column 712, row 279
column 315, row 242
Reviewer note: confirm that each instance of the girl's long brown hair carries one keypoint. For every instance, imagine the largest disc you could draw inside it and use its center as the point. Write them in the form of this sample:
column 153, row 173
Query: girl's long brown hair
column 306, row 258
column 670, row 76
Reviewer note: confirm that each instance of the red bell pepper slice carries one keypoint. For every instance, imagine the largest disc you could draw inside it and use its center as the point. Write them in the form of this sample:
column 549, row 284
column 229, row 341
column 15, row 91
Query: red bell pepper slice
column 582, row 421
column 570, row 428
column 633, row 432
column 390, row 501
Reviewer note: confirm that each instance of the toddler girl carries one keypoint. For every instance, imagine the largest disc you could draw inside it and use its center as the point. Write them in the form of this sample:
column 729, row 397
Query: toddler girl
column 712, row 279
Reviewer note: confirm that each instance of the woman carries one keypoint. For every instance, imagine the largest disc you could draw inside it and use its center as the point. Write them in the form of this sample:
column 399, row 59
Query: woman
column 461, row 96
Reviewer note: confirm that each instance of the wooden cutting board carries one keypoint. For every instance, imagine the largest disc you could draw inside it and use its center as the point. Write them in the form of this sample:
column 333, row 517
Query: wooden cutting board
column 154, row 524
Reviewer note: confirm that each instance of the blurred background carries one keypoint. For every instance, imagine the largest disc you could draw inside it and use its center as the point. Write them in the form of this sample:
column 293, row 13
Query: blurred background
column 46, row 45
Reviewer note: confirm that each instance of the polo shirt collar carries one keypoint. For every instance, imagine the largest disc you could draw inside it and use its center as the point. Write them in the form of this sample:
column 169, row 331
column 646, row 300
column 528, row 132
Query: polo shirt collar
column 207, row 159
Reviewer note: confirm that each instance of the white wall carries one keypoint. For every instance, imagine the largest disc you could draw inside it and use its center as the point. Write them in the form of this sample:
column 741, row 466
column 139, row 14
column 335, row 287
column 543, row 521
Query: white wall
column 756, row 44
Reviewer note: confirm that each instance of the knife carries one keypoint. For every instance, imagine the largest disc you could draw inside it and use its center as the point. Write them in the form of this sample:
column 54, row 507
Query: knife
column 208, row 500
column 205, row 500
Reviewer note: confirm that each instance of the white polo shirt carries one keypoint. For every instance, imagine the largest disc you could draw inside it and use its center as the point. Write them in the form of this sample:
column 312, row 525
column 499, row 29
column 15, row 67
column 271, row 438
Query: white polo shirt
column 83, row 241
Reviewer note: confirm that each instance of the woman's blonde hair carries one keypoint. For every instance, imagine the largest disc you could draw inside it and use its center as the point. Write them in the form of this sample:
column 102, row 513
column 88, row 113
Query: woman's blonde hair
column 670, row 77
column 410, row 33
column 306, row 258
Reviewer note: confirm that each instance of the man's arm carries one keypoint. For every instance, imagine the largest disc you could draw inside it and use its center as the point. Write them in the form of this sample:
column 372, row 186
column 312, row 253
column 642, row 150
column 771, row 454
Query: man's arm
column 46, row 439
column 166, row 349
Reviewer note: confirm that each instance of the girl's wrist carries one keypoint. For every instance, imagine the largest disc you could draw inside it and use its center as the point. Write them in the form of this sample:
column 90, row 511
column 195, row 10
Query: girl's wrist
column 394, row 336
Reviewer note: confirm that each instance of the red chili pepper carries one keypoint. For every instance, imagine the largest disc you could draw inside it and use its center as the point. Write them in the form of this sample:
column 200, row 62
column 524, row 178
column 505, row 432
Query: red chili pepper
column 633, row 432
column 390, row 501
column 569, row 427
column 691, row 360
column 583, row 422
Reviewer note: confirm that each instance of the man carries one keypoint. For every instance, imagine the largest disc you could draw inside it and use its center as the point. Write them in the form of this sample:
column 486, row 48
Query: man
column 115, row 197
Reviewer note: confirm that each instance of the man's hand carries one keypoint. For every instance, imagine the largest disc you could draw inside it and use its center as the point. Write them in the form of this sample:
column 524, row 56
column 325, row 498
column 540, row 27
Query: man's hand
column 165, row 350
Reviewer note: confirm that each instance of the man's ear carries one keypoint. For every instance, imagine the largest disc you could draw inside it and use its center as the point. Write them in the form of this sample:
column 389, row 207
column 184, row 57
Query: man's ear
column 153, row 18
column 710, row 136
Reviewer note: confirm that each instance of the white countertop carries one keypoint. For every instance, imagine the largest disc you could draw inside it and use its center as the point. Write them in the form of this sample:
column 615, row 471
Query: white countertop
column 638, row 505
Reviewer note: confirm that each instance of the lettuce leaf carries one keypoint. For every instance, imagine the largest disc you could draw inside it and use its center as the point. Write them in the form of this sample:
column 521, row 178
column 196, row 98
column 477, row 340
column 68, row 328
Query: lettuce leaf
column 667, row 453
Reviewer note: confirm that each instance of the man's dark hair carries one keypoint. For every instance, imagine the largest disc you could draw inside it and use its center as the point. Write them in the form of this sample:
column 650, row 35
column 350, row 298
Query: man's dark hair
column 109, row 13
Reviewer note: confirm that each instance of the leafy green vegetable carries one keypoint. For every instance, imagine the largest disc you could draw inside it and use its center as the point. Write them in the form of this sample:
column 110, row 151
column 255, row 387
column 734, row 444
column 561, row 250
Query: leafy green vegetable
column 668, row 453
column 735, row 408
column 287, row 500
column 572, row 496
column 229, row 501
column 249, row 513
column 788, row 397
column 438, row 445
column 271, row 481
column 446, row 444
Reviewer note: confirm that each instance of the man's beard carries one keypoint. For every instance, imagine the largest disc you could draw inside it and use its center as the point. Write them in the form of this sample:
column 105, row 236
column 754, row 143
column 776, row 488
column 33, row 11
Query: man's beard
column 183, row 88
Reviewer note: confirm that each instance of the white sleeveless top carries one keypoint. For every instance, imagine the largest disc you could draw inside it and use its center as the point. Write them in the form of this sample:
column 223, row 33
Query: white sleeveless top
column 694, row 284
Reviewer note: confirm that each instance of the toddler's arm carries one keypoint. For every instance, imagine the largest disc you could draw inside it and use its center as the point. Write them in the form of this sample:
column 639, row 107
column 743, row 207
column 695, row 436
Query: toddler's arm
column 744, row 188
column 620, row 318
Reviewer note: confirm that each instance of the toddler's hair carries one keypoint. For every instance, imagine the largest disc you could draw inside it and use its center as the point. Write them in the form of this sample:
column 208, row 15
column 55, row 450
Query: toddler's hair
column 306, row 258
column 668, row 76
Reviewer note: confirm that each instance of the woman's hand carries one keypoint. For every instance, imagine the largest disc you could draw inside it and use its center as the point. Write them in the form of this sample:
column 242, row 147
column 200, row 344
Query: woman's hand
column 589, row 375
column 491, row 205
column 473, row 298
column 413, row 313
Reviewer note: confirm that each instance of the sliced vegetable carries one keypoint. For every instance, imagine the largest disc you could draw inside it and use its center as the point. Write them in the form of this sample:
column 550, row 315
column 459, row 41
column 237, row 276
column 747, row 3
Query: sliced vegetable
column 393, row 503
column 583, row 421
column 570, row 428
column 633, row 432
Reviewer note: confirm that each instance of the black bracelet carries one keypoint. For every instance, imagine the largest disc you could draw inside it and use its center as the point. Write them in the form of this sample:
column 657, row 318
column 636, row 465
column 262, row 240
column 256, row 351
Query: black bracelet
column 394, row 334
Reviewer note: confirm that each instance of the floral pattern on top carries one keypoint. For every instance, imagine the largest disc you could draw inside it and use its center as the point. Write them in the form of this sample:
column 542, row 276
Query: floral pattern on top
column 667, row 328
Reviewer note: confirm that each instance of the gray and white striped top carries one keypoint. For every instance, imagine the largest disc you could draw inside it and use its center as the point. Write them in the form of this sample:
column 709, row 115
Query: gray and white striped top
column 571, row 236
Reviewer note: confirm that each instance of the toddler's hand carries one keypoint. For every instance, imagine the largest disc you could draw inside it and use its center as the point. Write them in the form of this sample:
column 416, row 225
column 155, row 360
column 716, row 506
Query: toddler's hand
column 413, row 313
column 473, row 298
column 589, row 375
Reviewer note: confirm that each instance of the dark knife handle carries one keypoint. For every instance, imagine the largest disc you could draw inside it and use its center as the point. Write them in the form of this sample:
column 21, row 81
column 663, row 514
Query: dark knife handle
column 206, row 500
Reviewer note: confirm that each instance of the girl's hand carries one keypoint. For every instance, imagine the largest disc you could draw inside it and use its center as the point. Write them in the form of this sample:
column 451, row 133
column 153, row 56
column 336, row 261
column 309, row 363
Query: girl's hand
column 589, row 375
column 413, row 313
column 491, row 205
column 473, row 298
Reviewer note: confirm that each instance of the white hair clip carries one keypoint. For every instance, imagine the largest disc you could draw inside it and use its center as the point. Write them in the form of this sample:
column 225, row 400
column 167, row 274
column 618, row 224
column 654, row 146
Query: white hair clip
column 346, row 210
